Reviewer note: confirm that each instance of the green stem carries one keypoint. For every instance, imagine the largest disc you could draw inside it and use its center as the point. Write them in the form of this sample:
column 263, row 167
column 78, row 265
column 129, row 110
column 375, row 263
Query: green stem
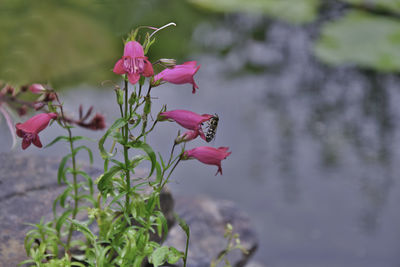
column 74, row 171
column 126, row 157
column 186, row 251
column 169, row 175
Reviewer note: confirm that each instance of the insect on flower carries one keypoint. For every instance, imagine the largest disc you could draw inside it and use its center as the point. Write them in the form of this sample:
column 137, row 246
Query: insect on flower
column 212, row 128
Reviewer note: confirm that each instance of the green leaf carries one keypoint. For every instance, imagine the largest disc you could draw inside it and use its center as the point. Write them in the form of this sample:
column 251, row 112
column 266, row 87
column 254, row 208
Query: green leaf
column 62, row 219
column 159, row 256
column 105, row 183
column 89, row 180
column 64, row 196
column 61, row 169
column 183, row 225
column 161, row 224
column 84, row 229
column 289, row 10
column 59, row 138
column 76, row 150
column 149, row 151
column 363, row 39
column 174, row 255
column 116, row 125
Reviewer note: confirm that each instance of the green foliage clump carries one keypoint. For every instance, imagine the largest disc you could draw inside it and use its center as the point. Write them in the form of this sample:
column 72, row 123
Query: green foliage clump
column 360, row 38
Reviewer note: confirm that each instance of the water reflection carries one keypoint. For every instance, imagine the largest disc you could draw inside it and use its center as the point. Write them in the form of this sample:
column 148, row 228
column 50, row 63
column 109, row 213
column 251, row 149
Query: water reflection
column 331, row 123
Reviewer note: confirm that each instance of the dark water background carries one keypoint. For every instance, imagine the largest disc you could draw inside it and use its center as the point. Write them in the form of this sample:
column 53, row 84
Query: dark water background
column 315, row 158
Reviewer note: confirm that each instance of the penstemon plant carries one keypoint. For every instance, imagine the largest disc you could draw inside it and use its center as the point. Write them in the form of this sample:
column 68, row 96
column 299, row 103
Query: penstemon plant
column 120, row 223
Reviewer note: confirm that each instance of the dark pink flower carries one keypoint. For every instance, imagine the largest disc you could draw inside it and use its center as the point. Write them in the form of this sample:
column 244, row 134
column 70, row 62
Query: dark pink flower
column 179, row 74
column 208, row 155
column 187, row 119
column 134, row 63
column 30, row 129
column 37, row 88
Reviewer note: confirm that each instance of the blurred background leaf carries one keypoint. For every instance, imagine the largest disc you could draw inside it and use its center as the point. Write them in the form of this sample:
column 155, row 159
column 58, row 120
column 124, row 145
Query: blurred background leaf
column 67, row 42
column 293, row 11
column 360, row 38
column 388, row 5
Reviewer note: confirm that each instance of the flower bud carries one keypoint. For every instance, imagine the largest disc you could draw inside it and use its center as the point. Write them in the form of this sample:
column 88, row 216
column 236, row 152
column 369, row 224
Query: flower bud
column 22, row 110
column 37, row 88
column 120, row 97
column 168, row 62
column 24, row 88
column 38, row 105
column 132, row 98
column 9, row 90
column 50, row 97
column 187, row 136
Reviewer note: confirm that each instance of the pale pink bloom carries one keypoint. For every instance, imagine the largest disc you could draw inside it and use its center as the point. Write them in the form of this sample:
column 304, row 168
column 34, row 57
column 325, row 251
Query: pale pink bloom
column 187, row 136
column 187, row 119
column 37, row 88
column 208, row 155
column 30, row 129
column 179, row 74
column 133, row 63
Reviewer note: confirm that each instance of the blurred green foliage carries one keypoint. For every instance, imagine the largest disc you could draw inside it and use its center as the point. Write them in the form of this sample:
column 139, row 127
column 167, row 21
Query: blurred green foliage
column 67, row 42
column 294, row 11
column 368, row 40
column 367, row 35
column 388, row 5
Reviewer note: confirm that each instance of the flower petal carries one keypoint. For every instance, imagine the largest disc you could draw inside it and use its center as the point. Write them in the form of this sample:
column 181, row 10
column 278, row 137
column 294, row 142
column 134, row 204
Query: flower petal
column 133, row 49
column 133, row 77
column 26, row 142
column 119, row 67
column 148, row 69
column 36, row 140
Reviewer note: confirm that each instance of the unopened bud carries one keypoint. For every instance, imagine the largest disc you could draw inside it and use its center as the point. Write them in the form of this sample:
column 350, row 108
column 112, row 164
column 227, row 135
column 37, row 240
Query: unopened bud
column 24, row 88
column 168, row 62
column 132, row 98
column 37, row 88
column 187, row 136
column 38, row 105
column 132, row 121
column 50, row 97
column 22, row 110
column 9, row 90
column 120, row 97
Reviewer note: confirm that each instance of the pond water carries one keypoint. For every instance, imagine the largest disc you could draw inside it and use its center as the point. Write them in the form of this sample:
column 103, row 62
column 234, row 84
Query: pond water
column 315, row 150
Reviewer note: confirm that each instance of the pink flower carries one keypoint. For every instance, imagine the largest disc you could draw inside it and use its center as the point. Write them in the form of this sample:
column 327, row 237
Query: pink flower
column 133, row 63
column 30, row 129
column 186, row 136
column 208, row 155
column 187, row 119
column 37, row 88
column 179, row 74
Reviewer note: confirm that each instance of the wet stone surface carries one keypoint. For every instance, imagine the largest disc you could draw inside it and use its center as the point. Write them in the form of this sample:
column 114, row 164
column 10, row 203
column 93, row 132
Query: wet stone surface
column 28, row 187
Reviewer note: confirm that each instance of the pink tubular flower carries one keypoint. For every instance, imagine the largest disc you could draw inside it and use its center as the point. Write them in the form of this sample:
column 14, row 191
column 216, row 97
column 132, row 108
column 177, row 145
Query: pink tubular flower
column 37, row 88
column 30, row 129
column 133, row 63
column 187, row 119
column 208, row 155
column 180, row 74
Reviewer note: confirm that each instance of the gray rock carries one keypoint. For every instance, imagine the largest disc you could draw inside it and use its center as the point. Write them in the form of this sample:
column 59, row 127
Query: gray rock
column 29, row 187
column 207, row 219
